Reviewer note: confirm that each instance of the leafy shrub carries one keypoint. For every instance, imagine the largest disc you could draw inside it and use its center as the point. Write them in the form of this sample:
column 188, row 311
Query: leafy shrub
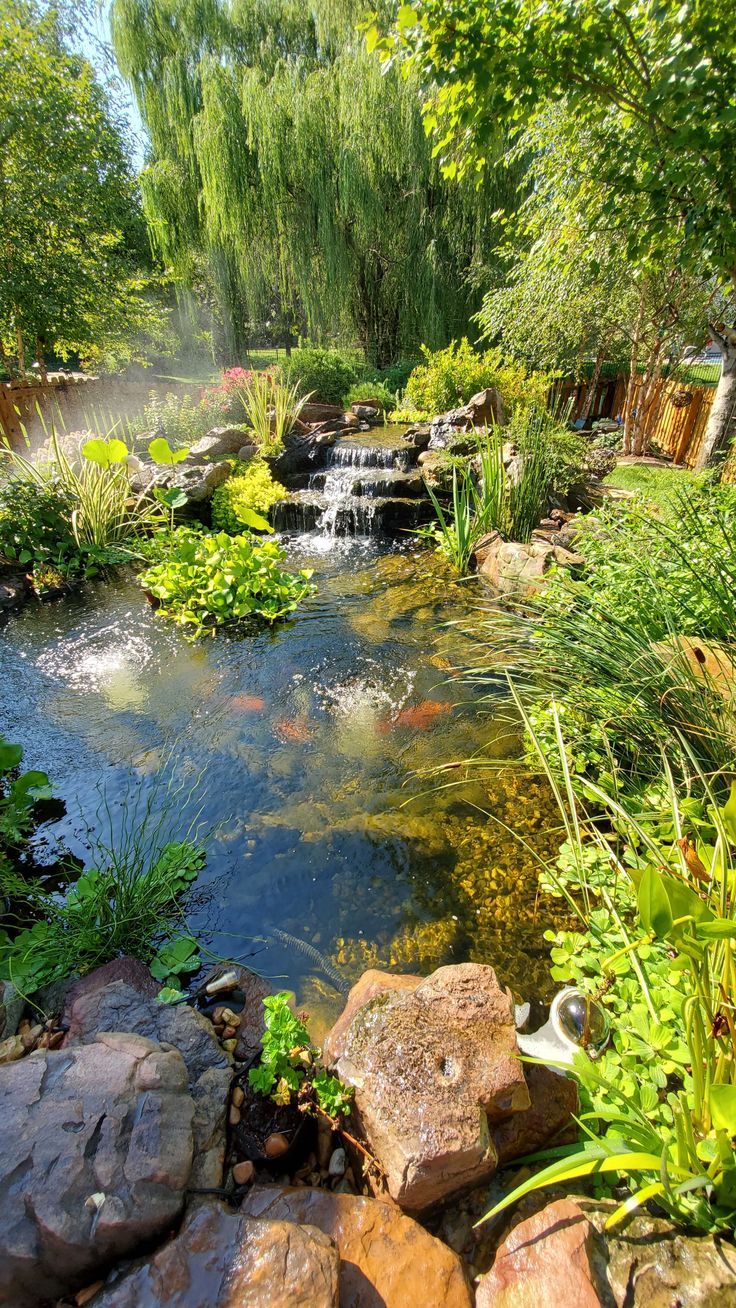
column 36, row 524
column 207, row 580
column 449, row 377
column 18, row 794
column 251, row 488
column 653, row 885
column 325, row 375
column 372, row 391
column 287, row 1065
column 271, row 407
column 395, row 376
column 184, row 419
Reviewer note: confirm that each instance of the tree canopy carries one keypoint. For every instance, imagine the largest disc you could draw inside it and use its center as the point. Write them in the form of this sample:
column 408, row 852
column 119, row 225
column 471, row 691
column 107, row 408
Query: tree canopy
column 285, row 163
column 651, row 88
column 72, row 240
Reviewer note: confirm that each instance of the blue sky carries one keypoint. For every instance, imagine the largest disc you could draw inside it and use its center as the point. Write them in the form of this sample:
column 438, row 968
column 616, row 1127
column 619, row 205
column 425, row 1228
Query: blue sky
column 91, row 45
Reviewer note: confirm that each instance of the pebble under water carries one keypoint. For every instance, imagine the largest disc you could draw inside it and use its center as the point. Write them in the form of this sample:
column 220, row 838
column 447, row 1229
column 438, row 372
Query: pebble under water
column 299, row 752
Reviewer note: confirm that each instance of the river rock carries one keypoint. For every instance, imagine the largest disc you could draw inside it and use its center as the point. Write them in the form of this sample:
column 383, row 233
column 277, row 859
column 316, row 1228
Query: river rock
column 220, row 443
column 514, row 568
column 98, row 1003
column 545, row 1261
column 95, row 1156
column 417, row 435
column 387, row 1260
column 369, row 984
column 198, row 481
column 482, row 410
column 254, row 989
column 370, row 411
column 314, row 411
column 650, row 1263
column 11, row 1009
column 554, row 1099
column 228, row 1260
column 432, row 1067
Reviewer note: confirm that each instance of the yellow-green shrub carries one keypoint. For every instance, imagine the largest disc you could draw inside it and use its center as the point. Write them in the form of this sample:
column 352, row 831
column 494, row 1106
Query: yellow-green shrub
column 449, row 377
column 253, row 488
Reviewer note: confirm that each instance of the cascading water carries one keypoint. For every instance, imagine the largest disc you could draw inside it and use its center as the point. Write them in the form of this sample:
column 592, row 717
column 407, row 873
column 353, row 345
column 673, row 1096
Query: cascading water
column 366, row 487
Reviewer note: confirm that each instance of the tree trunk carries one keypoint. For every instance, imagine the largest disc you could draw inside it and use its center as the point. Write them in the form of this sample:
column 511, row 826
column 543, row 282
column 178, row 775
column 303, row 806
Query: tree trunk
column 21, row 349
column 43, row 373
column 592, row 384
column 633, row 378
column 723, row 410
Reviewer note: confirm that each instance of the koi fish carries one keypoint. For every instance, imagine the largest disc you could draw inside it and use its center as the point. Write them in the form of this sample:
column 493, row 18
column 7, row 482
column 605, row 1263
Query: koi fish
column 293, row 729
column 248, row 703
column 419, row 717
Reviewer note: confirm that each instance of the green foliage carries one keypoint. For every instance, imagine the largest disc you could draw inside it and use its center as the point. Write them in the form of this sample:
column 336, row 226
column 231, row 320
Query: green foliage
column 367, row 390
column 36, row 525
column 288, row 1061
column 121, row 907
column 182, row 419
column 253, row 488
column 73, row 254
column 449, row 377
column 271, row 407
column 659, row 919
column 325, row 375
column 19, row 791
column 207, row 580
column 295, row 180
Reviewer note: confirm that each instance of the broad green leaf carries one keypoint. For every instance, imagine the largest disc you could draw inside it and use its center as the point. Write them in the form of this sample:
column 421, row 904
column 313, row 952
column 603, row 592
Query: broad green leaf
column 255, row 521
column 105, row 453
column 654, row 906
column 162, row 453
column 170, row 995
column 728, row 814
column 10, row 755
column 722, row 1104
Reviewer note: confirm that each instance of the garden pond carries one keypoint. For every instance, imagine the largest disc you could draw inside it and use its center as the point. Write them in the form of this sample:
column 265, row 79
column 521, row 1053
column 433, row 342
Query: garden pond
column 301, row 751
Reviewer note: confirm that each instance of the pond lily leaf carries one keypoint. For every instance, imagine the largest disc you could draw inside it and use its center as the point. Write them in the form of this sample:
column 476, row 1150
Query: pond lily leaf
column 161, row 452
column 250, row 518
column 10, row 755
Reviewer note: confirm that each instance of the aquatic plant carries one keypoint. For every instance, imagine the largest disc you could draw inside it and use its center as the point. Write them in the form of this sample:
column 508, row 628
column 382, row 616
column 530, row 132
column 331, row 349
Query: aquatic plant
column 656, row 894
column 288, row 1064
column 271, row 408
column 251, row 489
column 207, row 580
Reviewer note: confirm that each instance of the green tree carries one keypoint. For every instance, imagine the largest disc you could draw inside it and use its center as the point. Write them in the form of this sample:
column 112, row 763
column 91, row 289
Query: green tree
column 72, row 240
column 653, row 88
column 284, row 159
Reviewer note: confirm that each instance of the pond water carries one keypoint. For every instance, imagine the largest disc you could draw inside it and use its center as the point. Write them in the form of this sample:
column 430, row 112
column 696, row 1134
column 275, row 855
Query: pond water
column 301, row 749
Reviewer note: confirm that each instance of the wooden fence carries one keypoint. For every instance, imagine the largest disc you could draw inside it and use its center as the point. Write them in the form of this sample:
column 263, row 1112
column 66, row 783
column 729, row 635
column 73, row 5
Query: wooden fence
column 75, row 401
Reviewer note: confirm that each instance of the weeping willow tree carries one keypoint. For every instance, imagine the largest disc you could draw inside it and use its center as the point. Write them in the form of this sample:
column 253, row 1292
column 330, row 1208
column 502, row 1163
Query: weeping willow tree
column 285, row 160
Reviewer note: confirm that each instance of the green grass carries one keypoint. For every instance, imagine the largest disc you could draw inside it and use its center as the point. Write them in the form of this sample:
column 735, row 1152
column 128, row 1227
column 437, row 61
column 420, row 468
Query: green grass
column 657, row 482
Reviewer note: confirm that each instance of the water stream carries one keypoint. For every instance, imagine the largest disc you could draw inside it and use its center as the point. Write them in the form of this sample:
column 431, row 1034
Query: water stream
column 299, row 751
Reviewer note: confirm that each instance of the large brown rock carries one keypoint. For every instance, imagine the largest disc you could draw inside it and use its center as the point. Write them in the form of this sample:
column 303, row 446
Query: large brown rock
column 95, row 1156
column 386, row 1259
column 219, row 443
column 369, row 984
column 546, row 1261
column 315, row 411
column 225, row 1260
column 430, row 1067
column 554, row 1099
column 650, row 1263
column 486, row 408
column 99, row 1002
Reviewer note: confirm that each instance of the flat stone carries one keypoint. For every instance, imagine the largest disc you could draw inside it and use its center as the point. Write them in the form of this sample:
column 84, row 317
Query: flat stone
column 95, row 1157
column 387, row 1260
column 219, row 443
column 431, row 1068
column 229, row 1260
column 545, row 1261
column 96, row 1004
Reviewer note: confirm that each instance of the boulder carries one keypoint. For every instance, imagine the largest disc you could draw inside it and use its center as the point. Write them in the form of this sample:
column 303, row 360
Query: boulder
column 369, row 411
column 482, row 409
column 95, row 1157
column 486, row 408
column 650, row 1262
column 386, row 1259
column 514, row 568
column 99, row 1003
column 417, row 435
column 15, row 589
column 313, row 411
column 554, row 1099
column 221, row 1259
column 546, row 1261
column 220, row 443
column 431, row 1068
column 371, row 983
column 199, row 481
column 11, row 1009
column 247, row 452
